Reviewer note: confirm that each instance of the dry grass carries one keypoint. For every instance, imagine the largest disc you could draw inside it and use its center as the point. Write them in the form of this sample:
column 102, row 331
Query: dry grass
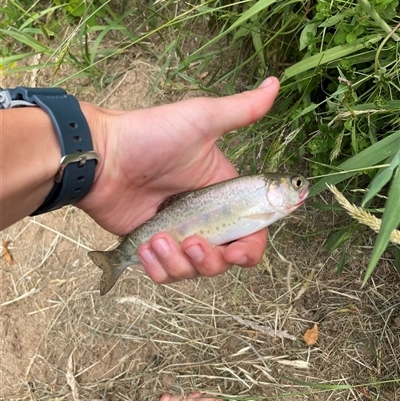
column 238, row 336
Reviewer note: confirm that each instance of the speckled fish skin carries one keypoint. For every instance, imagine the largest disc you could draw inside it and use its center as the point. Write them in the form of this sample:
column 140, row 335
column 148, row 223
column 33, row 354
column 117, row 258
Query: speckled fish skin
column 220, row 213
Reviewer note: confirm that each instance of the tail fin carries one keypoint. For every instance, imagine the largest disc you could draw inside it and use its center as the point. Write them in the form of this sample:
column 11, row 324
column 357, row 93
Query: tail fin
column 111, row 266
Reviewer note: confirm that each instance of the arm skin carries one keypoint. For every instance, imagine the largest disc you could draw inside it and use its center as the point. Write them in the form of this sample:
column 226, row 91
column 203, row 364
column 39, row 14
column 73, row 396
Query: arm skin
column 29, row 157
column 147, row 155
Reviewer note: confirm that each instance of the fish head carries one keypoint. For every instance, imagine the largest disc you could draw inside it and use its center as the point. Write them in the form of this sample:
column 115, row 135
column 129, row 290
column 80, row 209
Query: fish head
column 286, row 192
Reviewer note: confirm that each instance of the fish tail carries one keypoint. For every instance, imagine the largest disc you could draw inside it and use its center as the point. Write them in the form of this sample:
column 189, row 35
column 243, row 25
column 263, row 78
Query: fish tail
column 112, row 267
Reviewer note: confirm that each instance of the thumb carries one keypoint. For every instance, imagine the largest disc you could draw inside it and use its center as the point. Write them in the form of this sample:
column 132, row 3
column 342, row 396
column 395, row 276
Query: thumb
column 237, row 111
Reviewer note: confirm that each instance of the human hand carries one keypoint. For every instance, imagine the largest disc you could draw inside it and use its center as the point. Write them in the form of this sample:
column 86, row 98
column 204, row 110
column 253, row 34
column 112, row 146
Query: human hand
column 150, row 154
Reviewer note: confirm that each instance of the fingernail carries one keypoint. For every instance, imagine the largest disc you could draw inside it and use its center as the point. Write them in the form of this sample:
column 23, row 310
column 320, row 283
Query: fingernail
column 161, row 247
column 195, row 253
column 266, row 82
column 242, row 261
column 147, row 255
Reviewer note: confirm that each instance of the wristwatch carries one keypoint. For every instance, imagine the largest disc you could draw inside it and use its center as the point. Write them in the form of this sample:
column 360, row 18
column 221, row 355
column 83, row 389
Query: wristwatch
column 76, row 172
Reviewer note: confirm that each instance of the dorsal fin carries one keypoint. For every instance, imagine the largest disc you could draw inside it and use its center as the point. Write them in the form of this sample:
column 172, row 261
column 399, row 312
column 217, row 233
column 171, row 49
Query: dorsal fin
column 170, row 200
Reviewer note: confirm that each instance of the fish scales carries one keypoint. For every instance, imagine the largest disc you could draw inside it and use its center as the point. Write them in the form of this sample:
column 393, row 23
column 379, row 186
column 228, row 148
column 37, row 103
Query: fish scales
column 221, row 213
column 195, row 213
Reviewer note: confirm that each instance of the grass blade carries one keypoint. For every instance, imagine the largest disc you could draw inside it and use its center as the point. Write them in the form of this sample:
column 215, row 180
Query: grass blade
column 328, row 56
column 381, row 179
column 12, row 59
column 252, row 11
column 366, row 5
column 390, row 220
column 374, row 154
column 26, row 39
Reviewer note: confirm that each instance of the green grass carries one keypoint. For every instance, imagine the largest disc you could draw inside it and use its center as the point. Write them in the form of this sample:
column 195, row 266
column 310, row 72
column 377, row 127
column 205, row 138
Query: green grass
column 337, row 116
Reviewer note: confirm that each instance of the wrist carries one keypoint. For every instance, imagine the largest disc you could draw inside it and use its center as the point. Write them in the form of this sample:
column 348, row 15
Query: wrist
column 30, row 158
column 77, row 165
column 105, row 127
column 103, row 124
column 98, row 122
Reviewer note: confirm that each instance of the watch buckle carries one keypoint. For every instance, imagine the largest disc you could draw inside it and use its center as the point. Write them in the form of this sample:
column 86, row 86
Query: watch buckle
column 7, row 102
column 80, row 157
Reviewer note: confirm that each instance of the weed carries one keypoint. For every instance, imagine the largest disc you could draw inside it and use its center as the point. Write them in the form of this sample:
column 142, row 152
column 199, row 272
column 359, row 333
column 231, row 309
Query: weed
column 337, row 116
column 338, row 111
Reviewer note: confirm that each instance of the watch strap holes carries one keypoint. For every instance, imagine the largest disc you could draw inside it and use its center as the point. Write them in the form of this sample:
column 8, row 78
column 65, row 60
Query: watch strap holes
column 77, row 190
column 76, row 138
column 73, row 124
column 81, row 178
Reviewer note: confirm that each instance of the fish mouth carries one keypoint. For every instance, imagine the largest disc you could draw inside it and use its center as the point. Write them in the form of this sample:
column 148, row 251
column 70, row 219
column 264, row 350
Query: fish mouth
column 299, row 203
column 302, row 196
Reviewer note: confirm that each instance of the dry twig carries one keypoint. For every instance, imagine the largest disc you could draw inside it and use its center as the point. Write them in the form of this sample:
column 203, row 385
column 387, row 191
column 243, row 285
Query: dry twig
column 265, row 329
column 71, row 379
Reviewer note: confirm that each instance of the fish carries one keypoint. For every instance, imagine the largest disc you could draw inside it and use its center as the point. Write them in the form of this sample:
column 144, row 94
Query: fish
column 221, row 213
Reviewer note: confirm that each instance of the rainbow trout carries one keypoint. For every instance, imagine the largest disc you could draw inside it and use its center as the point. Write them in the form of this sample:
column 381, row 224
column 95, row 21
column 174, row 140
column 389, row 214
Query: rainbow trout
column 220, row 213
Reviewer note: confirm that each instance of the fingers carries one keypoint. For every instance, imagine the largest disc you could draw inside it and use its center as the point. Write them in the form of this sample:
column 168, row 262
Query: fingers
column 208, row 260
column 214, row 117
column 247, row 107
column 191, row 397
column 247, row 251
column 233, row 112
column 165, row 261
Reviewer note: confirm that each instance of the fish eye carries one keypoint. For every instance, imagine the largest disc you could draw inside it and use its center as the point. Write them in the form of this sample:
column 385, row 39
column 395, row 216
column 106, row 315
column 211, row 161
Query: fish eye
column 297, row 182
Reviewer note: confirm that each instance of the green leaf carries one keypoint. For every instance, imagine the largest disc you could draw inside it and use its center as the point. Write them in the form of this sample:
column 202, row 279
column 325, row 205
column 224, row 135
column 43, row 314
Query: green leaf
column 311, row 107
column 12, row 59
column 27, row 40
column 359, row 30
column 338, row 238
column 38, row 15
column 340, row 38
column 366, row 5
column 390, row 221
column 103, row 31
column 368, row 157
column 342, row 262
column 396, row 254
column 381, row 179
column 243, row 31
column 351, row 37
column 258, row 45
column 331, row 21
column 309, row 28
column 328, row 56
column 77, row 10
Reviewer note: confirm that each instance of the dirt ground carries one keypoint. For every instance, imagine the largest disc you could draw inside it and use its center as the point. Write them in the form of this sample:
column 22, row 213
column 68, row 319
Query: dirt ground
column 239, row 336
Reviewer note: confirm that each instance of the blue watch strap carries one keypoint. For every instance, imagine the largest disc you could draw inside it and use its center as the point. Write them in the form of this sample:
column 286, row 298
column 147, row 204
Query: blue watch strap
column 78, row 163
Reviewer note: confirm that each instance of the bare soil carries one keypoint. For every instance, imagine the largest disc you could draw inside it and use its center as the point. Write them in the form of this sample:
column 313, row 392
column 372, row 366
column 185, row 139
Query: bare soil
column 61, row 341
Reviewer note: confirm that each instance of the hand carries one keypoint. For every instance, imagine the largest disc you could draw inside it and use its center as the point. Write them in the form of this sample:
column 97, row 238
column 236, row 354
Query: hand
column 150, row 154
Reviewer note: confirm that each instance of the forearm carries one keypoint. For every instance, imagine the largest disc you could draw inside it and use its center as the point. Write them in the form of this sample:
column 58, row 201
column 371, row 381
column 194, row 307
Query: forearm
column 30, row 157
